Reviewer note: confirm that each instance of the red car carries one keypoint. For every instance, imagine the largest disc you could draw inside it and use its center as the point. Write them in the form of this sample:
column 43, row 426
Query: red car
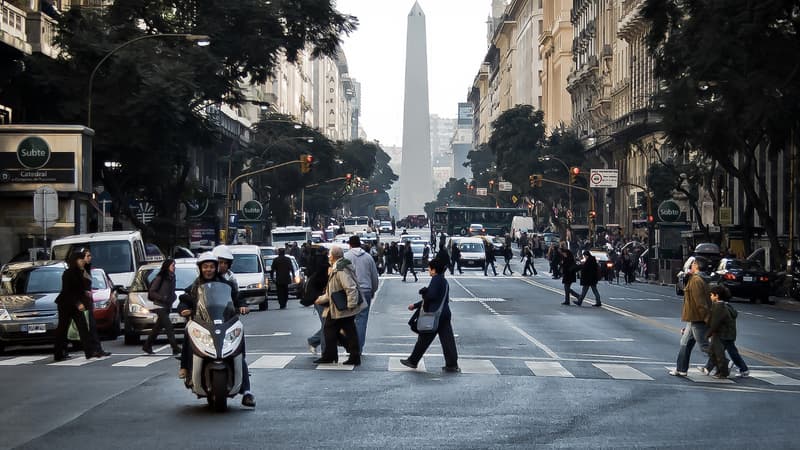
column 106, row 312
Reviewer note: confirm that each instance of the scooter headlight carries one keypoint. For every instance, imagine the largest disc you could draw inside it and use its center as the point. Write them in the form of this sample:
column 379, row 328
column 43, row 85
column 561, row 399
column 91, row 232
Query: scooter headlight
column 201, row 338
column 233, row 337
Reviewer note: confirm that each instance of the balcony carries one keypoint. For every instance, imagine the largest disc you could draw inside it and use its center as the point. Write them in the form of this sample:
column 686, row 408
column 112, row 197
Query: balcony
column 41, row 30
column 631, row 21
column 13, row 28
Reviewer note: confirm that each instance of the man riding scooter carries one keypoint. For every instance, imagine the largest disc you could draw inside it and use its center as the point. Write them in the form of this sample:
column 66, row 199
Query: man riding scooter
column 208, row 264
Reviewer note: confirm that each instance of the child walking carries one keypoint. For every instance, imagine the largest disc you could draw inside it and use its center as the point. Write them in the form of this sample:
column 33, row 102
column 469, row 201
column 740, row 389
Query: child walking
column 722, row 334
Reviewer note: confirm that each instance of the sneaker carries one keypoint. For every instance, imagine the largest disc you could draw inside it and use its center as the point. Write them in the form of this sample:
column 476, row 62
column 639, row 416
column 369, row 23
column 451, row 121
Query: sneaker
column 677, row 373
column 743, row 374
column 449, row 369
column 408, row 364
column 719, row 376
column 249, row 400
column 703, row 370
column 312, row 349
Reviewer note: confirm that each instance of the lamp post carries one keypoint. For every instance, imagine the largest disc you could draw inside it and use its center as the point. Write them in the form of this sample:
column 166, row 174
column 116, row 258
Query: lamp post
column 566, row 167
column 200, row 39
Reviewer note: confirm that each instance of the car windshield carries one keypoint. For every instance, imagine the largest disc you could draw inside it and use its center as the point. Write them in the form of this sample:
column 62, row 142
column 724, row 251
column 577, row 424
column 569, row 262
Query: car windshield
column 245, row 263
column 98, row 280
column 111, row 256
column 471, row 247
column 267, row 252
column 40, row 281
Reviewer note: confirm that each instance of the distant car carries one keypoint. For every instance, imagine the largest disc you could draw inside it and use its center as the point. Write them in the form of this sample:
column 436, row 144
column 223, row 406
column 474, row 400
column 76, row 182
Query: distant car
column 28, row 313
column 550, row 239
column 476, row 229
column 497, row 243
column 317, row 237
column 138, row 319
column 605, row 264
column 706, row 270
column 418, row 249
column 385, row 227
column 248, row 267
column 745, row 279
column 472, row 252
column 296, row 286
column 409, row 237
column 107, row 313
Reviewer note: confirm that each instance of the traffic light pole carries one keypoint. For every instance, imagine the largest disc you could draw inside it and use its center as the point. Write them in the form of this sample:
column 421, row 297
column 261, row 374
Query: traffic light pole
column 591, row 202
column 241, row 177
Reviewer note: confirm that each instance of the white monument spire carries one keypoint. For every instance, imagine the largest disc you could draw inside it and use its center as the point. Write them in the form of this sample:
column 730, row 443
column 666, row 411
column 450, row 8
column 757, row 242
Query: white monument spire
column 416, row 176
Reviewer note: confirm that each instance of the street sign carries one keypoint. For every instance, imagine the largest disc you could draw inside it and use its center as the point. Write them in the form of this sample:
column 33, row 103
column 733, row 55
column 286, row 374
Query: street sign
column 481, row 191
column 725, row 215
column 252, row 210
column 669, row 211
column 505, row 186
column 603, row 178
column 45, row 206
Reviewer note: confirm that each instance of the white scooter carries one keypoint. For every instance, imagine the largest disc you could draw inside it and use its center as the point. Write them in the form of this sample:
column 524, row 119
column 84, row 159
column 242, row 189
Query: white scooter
column 216, row 336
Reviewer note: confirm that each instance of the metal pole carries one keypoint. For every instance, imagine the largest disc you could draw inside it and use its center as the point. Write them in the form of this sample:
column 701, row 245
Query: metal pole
column 792, row 198
column 303, row 207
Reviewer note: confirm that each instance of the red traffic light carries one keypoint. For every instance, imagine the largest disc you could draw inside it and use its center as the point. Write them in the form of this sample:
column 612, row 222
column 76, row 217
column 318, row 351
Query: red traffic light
column 309, row 159
column 349, row 176
column 651, row 219
column 576, row 170
column 592, row 214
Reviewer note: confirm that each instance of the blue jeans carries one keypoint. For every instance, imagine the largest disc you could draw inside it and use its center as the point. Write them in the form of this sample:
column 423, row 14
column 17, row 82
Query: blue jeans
column 361, row 320
column 694, row 332
column 315, row 340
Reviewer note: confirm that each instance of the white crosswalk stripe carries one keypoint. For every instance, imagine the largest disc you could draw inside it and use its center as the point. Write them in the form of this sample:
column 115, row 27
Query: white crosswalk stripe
column 20, row 360
column 78, row 361
column 548, row 369
column 698, row 377
column 774, row 378
column 271, row 362
column 623, row 372
column 140, row 361
column 395, row 366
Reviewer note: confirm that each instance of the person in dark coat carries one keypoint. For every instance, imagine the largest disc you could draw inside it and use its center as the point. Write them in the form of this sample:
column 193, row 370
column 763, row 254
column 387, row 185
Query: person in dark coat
column 315, row 286
column 87, row 272
column 72, row 301
column 569, row 269
column 408, row 261
column 508, row 253
column 436, row 292
column 282, row 274
column 162, row 293
column 590, row 274
column 527, row 256
column 489, row 259
column 394, row 257
column 455, row 259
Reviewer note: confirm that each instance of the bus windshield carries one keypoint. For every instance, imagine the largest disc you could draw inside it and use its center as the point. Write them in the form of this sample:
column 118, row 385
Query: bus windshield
column 497, row 221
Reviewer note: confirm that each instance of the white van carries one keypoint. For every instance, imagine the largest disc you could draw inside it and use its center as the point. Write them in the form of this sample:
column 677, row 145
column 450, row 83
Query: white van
column 248, row 267
column 521, row 224
column 473, row 252
column 119, row 253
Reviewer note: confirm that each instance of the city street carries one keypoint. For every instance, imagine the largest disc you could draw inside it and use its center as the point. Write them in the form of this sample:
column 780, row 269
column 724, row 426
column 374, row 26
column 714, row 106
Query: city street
column 534, row 373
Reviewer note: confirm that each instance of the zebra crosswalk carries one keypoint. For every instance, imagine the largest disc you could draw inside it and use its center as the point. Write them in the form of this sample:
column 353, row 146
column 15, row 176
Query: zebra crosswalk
column 571, row 369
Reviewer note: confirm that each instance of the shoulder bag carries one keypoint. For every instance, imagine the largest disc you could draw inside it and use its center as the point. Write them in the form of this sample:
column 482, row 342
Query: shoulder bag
column 428, row 322
column 339, row 298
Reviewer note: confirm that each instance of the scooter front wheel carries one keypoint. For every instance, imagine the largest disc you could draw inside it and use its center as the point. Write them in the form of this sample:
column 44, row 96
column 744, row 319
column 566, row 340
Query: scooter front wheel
column 218, row 397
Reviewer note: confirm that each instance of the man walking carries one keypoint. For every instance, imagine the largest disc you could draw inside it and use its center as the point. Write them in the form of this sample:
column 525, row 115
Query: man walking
column 408, row 261
column 507, row 255
column 283, row 273
column 696, row 313
column 489, row 259
column 590, row 273
column 455, row 259
column 367, row 279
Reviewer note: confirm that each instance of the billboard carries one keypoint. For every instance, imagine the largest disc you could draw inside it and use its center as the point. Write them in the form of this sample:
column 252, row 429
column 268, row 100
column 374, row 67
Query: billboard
column 465, row 114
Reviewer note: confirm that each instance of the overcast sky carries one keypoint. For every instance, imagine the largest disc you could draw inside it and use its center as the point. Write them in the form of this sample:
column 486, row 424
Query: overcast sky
column 456, row 34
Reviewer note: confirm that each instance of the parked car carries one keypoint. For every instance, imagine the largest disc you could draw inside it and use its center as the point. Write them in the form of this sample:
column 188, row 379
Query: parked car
column 295, row 288
column 744, row 278
column 472, row 252
column 28, row 313
column 138, row 320
column 706, row 271
column 107, row 313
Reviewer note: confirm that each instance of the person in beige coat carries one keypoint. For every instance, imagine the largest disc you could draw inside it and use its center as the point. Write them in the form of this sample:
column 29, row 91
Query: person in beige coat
column 696, row 313
column 341, row 277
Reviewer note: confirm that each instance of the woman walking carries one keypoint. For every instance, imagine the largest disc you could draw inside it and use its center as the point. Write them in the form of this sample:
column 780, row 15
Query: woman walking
column 341, row 279
column 568, row 269
column 162, row 293
column 527, row 256
column 432, row 296
column 72, row 301
column 590, row 273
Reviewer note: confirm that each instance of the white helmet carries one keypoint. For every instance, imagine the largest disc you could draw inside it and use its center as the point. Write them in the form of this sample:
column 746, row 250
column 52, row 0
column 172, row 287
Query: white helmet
column 206, row 257
column 223, row 252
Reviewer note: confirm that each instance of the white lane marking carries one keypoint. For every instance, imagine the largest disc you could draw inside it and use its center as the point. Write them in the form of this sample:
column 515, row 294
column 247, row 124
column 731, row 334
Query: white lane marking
column 774, row 378
column 698, row 377
column 622, row 372
column 163, row 347
column 610, row 356
column 77, row 361
column 476, row 299
column 395, row 366
column 141, row 361
column 335, row 366
column 599, row 340
column 19, row 360
column 277, row 333
column 375, row 295
column 637, row 299
column 527, row 336
column 480, row 366
column 271, row 362
column 548, row 369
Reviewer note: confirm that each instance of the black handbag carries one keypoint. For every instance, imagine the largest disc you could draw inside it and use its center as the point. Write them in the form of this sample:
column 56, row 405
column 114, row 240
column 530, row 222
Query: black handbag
column 339, row 299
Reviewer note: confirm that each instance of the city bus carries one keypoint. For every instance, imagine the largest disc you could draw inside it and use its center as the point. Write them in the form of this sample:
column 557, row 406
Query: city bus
column 496, row 221
column 284, row 235
column 382, row 213
column 355, row 223
column 439, row 222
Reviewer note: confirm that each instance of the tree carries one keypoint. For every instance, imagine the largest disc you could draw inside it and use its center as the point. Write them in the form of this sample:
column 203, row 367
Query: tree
column 517, row 141
column 147, row 97
column 731, row 85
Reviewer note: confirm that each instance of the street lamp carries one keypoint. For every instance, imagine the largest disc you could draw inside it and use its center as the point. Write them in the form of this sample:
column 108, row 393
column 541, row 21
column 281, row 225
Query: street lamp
column 566, row 167
column 201, row 40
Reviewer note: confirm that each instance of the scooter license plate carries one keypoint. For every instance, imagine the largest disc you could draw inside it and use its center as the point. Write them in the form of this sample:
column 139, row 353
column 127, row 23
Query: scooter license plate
column 36, row 328
column 175, row 318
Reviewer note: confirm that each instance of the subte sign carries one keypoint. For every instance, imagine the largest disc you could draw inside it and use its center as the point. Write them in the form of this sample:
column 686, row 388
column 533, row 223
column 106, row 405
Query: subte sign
column 603, row 178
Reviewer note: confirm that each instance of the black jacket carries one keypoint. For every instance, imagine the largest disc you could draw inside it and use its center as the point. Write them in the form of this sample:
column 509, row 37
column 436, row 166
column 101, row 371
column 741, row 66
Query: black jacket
column 74, row 288
column 282, row 270
column 162, row 290
column 189, row 299
column 569, row 268
column 589, row 271
column 432, row 296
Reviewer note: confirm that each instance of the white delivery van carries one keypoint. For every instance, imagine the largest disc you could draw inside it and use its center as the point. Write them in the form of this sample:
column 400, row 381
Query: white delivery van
column 473, row 253
column 119, row 253
column 521, row 224
column 248, row 267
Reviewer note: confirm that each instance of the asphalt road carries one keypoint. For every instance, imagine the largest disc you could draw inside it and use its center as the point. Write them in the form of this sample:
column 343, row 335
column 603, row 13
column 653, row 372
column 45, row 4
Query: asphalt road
column 534, row 374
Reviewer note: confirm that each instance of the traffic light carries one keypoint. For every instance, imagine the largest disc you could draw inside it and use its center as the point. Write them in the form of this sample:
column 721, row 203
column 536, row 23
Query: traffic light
column 573, row 174
column 536, row 180
column 650, row 219
column 491, row 185
column 305, row 163
column 348, row 179
column 592, row 214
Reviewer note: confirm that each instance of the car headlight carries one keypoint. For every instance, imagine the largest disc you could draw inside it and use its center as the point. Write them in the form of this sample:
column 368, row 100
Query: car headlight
column 297, row 279
column 5, row 315
column 255, row 286
column 102, row 304
column 137, row 306
column 201, row 338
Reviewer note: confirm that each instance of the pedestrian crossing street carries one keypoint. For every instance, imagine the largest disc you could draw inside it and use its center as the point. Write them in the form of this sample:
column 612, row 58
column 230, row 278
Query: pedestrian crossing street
column 469, row 366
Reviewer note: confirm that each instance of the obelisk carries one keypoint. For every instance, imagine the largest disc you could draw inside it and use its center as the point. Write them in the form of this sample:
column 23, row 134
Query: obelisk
column 416, row 176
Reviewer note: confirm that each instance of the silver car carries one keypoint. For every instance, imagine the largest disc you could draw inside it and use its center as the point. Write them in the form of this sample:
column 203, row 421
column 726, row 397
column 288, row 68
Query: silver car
column 28, row 313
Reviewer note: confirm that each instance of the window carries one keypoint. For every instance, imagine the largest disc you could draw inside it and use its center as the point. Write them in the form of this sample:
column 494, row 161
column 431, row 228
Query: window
column 244, row 263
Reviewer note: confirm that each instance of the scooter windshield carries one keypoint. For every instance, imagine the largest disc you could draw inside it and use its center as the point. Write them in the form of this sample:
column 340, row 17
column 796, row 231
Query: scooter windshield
column 214, row 303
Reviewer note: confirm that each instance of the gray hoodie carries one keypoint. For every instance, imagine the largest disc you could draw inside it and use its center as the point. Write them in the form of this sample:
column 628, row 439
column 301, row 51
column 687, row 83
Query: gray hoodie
column 366, row 271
